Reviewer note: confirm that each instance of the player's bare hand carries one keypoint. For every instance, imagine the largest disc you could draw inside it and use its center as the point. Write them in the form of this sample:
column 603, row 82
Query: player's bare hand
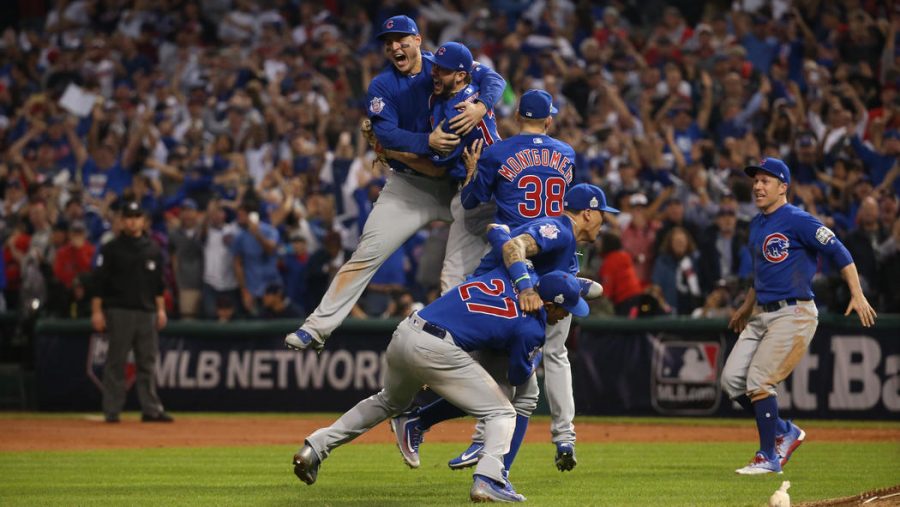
column 861, row 306
column 740, row 318
column 529, row 301
column 470, row 156
column 161, row 319
column 469, row 115
column 442, row 141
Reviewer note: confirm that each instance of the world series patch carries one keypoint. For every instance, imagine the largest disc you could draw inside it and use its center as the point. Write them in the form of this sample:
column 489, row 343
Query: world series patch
column 824, row 235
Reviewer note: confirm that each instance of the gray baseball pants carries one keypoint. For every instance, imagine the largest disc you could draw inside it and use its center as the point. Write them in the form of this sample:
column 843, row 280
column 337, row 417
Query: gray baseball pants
column 127, row 330
column 466, row 243
column 768, row 350
column 406, row 204
column 557, row 384
column 416, row 358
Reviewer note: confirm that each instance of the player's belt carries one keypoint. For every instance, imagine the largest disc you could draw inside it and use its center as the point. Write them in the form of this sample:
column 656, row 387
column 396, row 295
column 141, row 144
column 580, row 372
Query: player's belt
column 432, row 329
column 774, row 306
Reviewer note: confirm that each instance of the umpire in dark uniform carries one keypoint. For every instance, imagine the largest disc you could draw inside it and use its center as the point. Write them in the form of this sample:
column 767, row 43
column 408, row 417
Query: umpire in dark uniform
column 128, row 304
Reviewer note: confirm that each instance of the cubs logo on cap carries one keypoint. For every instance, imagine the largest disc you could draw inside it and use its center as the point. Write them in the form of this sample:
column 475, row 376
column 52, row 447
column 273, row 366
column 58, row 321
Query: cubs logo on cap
column 536, row 104
column 451, row 56
column 399, row 24
column 587, row 196
column 773, row 166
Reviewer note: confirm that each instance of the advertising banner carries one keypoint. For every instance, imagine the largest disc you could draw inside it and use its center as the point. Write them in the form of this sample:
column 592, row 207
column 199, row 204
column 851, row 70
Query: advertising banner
column 851, row 375
column 661, row 370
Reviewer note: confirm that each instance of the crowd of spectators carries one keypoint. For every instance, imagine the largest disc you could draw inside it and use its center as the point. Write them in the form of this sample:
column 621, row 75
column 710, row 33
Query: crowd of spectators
column 235, row 124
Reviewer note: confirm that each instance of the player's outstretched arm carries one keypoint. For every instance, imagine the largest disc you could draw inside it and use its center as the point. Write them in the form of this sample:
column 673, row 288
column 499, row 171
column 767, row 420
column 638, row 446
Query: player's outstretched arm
column 742, row 315
column 858, row 301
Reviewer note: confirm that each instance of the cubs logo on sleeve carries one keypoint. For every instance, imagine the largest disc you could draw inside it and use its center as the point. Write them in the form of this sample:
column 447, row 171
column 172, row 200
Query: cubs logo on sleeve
column 775, row 247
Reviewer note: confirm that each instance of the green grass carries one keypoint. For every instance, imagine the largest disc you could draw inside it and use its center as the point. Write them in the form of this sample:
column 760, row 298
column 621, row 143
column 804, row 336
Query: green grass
column 671, row 474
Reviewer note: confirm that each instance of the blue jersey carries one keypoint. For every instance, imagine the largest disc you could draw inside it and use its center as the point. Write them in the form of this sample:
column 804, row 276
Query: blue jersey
column 526, row 174
column 556, row 239
column 483, row 313
column 784, row 245
column 398, row 106
column 444, row 109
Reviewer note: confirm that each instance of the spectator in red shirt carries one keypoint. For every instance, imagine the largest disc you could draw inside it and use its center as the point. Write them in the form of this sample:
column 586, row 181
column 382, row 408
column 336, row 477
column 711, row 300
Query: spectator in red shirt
column 620, row 282
column 75, row 257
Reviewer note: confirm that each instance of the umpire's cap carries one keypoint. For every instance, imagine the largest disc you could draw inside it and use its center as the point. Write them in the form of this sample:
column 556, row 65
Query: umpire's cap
column 399, row 24
column 563, row 289
column 587, row 196
column 773, row 166
column 451, row 56
column 132, row 209
column 536, row 105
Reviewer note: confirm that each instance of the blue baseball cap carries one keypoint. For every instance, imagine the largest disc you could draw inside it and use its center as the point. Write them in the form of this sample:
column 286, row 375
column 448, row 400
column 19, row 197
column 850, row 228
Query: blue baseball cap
column 451, row 56
column 773, row 166
column 536, row 104
column 563, row 289
column 587, row 196
column 399, row 24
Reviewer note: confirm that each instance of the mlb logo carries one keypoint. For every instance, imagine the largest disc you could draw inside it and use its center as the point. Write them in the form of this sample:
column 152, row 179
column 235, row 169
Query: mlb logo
column 689, row 362
column 685, row 376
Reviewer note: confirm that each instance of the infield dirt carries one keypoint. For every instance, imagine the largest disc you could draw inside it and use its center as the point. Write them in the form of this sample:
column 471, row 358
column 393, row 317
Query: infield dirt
column 84, row 433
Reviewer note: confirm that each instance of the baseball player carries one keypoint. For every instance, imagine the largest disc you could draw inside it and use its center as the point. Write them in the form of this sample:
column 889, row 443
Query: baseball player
column 432, row 347
column 549, row 243
column 453, row 85
column 778, row 319
column 527, row 175
column 398, row 107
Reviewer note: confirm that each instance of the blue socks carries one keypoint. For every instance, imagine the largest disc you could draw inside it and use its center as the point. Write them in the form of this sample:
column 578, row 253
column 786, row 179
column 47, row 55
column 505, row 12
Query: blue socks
column 766, row 411
column 518, row 437
column 744, row 401
column 438, row 411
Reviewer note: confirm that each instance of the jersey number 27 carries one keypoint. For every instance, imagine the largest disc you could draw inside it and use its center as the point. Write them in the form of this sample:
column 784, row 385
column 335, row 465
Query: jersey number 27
column 542, row 198
column 505, row 307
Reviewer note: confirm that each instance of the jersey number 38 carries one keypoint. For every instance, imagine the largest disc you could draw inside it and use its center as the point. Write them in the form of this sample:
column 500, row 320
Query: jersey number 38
column 542, row 198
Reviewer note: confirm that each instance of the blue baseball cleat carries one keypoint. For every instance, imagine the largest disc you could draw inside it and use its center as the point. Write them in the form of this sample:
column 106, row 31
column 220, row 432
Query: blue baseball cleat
column 306, row 464
column 468, row 457
column 485, row 489
column 565, row 456
column 409, row 437
column 761, row 464
column 787, row 443
column 302, row 340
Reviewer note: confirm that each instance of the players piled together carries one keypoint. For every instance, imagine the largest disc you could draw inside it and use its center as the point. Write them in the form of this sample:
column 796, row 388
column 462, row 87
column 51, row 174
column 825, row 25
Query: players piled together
column 509, row 276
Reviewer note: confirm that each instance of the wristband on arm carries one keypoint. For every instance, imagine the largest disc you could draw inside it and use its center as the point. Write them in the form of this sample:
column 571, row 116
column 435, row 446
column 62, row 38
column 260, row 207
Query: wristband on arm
column 518, row 271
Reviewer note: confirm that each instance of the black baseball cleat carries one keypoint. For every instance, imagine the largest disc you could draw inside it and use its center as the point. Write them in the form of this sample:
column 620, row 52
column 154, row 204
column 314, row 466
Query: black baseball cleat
column 161, row 417
column 111, row 418
column 306, row 464
column 565, row 456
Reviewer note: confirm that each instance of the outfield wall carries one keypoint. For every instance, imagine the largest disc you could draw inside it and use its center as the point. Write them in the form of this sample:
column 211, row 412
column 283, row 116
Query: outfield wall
column 659, row 366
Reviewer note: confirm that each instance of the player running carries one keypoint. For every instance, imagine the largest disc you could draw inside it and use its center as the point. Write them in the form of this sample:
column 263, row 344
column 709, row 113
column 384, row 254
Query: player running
column 432, row 347
column 778, row 318
column 398, row 108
